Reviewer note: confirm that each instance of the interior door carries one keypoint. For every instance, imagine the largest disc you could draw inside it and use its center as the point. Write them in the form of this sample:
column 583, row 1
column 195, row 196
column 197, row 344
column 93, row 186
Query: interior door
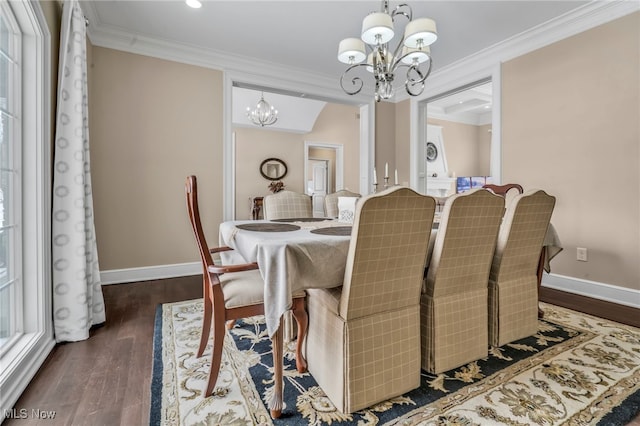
column 318, row 185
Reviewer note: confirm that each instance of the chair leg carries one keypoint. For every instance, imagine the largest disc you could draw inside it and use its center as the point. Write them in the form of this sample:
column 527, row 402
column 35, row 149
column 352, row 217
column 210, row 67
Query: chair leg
column 206, row 323
column 216, row 354
column 302, row 319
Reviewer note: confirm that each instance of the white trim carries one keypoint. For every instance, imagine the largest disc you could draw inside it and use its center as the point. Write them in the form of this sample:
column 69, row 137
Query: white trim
column 146, row 273
column 20, row 364
column 595, row 290
column 367, row 146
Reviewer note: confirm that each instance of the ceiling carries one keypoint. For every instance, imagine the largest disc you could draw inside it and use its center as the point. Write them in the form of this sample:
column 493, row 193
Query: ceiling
column 303, row 36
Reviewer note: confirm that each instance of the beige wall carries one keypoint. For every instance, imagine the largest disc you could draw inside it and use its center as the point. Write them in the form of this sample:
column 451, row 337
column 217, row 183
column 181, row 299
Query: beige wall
column 467, row 149
column 336, row 124
column 152, row 123
column 403, row 141
column 385, row 134
column 570, row 126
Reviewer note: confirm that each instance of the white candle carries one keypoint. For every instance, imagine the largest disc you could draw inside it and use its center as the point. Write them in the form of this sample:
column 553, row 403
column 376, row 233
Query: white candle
column 396, row 176
column 386, row 170
column 375, row 176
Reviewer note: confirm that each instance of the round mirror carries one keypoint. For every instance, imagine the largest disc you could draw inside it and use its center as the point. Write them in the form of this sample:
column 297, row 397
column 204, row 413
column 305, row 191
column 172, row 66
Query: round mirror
column 273, row 169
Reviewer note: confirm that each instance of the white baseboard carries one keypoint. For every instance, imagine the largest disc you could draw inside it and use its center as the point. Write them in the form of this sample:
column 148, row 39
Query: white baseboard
column 596, row 290
column 146, row 273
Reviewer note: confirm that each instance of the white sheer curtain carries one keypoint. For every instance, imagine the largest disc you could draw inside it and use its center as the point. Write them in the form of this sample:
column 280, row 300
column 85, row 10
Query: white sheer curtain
column 77, row 292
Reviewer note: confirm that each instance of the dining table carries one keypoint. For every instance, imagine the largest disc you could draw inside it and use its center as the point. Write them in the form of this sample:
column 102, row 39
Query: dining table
column 303, row 253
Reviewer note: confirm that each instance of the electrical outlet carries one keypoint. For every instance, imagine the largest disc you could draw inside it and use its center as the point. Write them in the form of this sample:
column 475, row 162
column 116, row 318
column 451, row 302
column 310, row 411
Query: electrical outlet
column 581, row 254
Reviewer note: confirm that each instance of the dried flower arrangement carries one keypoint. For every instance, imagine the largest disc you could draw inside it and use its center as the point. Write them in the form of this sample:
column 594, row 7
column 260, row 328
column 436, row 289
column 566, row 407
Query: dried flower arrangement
column 276, row 186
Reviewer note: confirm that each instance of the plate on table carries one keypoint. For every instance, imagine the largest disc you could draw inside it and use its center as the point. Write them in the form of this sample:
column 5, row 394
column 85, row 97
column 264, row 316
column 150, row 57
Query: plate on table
column 302, row 219
column 343, row 231
column 268, row 227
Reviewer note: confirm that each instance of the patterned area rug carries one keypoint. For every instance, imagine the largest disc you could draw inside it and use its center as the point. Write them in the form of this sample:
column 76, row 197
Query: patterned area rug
column 577, row 370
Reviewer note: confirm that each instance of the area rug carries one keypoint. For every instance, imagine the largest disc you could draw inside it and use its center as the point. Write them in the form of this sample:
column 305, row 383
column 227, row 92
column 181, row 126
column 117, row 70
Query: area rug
column 577, row 370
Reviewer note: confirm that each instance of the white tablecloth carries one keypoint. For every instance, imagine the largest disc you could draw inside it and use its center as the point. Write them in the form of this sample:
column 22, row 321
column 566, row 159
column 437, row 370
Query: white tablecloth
column 289, row 261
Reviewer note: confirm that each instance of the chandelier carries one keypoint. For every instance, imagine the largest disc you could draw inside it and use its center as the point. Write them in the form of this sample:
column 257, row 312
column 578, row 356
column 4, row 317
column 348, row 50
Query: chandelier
column 411, row 52
column 263, row 114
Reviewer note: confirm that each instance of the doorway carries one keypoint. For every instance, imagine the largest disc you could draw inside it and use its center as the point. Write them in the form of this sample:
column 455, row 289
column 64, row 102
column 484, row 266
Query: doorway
column 323, row 171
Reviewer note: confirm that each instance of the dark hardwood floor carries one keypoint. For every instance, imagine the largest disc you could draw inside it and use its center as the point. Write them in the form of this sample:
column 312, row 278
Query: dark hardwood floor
column 106, row 379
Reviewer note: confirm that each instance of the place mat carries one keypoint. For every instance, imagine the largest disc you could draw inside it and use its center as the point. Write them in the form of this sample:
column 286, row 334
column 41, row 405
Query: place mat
column 302, row 219
column 268, row 227
column 334, row 230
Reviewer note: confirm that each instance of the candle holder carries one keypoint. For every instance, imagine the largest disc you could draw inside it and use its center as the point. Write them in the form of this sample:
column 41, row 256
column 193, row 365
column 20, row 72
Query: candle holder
column 375, row 188
column 386, row 182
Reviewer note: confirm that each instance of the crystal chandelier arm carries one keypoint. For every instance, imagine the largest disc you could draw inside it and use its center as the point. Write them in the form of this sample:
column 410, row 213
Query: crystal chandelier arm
column 355, row 81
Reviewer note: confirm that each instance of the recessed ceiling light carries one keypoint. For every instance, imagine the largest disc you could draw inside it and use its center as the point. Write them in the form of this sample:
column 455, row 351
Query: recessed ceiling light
column 194, row 4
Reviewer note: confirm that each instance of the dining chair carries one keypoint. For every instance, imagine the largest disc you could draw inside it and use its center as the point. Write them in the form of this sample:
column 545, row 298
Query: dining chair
column 231, row 292
column 331, row 201
column 454, row 312
column 286, row 205
column 513, row 280
column 363, row 344
column 508, row 190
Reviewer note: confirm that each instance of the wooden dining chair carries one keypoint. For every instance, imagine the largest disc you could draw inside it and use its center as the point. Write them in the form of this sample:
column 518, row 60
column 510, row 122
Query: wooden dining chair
column 363, row 344
column 454, row 310
column 331, row 201
column 508, row 190
column 513, row 281
column 231, row 292
column 286, row 205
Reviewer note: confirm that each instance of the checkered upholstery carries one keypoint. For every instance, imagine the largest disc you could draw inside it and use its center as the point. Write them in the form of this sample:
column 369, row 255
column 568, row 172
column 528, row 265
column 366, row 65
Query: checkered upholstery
column 287, row 204
column 453, row 315
column 331, row 201
column 513, row 281
column 363, row 344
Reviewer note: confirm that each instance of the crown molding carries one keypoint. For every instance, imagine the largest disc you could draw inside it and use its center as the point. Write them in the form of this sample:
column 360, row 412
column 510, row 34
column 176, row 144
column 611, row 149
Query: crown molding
column 589, row 16
column 596, row 13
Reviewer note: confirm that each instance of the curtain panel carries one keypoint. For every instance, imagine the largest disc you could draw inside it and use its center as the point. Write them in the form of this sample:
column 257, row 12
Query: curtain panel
column 77, row 293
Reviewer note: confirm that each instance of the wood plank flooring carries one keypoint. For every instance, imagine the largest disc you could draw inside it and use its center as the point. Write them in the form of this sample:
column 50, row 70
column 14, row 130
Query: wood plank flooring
column 106, row 379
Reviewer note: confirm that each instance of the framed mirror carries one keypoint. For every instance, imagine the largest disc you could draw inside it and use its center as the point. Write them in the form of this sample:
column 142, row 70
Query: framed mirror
column 273, row 169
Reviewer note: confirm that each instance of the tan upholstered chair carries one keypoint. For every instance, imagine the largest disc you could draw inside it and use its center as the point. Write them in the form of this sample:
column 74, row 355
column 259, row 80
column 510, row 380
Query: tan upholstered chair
column 454, row 299
column 331, row 201
column 230, row 292
column 513, row 281
column 286, row 205
column 363, row 344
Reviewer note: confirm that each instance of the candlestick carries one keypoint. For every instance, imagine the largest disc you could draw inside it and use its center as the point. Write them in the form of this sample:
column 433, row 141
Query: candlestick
column 386, row 182
column 375, row 187
column 396, row 176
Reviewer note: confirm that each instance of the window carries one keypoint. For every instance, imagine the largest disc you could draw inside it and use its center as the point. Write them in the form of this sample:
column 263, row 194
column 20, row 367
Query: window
column 10, row 144
column 26, row 331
